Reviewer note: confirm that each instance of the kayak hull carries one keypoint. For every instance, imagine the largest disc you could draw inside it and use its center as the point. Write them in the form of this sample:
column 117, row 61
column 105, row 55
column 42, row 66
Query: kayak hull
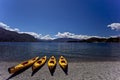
column 63, row 62
column 52, row 64
column 39, row 63
column 22, row 65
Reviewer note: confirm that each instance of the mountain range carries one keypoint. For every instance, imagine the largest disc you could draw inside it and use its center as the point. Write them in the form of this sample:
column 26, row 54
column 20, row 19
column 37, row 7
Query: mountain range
column 13, row 36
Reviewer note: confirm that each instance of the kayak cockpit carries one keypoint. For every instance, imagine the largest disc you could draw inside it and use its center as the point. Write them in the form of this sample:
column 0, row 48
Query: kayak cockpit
column 43, row 58
column 39, row 62
column 52, row 62
column 24, row 63
column 62, row 61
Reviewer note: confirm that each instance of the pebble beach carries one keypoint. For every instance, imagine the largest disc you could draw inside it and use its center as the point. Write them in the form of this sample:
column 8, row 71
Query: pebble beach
column 77, row 70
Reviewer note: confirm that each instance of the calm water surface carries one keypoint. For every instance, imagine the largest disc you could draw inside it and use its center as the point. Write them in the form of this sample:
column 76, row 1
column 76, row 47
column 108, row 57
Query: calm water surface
column 20, row 51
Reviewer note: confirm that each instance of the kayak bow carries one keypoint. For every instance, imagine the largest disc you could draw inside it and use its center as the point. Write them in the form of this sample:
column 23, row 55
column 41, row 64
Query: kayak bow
column 52, row 63
column 63, row 62
column 22, row 65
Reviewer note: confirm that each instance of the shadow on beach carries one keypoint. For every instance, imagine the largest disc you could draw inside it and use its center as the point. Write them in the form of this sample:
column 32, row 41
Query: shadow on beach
column 18, row 72
column 65, row 70
column 52, row 71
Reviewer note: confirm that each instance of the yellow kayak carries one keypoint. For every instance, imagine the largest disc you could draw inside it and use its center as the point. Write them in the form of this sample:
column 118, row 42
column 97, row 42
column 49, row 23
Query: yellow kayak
column 39, row 63
column 22, row 65
column 52, row 63
column 63, row 62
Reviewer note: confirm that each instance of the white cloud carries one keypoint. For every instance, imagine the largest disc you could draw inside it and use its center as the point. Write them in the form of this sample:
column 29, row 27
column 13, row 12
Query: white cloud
column 8, row 27
column 47, row 37
column 114, row 26
column 39, row 36
column 16, row 29
column 72, row 35
column 33, row 34
column 59, row 34
column 114, row 36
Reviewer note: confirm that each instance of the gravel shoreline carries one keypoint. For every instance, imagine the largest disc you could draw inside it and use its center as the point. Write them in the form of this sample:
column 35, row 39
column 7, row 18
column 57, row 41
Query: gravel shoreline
column 86, row 70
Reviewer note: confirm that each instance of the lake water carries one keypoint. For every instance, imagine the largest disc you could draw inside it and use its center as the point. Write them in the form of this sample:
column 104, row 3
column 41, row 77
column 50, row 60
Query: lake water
column 21, row 51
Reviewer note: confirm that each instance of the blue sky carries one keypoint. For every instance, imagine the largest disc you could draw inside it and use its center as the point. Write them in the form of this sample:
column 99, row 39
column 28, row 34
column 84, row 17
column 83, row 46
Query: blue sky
column 82, row 17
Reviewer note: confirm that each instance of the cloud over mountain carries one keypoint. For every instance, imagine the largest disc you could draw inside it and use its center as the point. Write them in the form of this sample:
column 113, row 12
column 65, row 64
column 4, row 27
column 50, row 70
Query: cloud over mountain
column 114, row 26
column 72, row 35
column 36, row 35
column 8, row 27
column 47, row 37
column 33, row 34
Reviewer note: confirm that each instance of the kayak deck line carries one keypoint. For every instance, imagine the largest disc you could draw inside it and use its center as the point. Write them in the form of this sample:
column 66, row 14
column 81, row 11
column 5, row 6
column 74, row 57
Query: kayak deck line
column 22, row 65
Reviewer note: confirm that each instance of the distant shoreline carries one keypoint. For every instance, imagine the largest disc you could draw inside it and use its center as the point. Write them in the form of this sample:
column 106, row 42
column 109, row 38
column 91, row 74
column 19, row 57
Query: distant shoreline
column 69, row 40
